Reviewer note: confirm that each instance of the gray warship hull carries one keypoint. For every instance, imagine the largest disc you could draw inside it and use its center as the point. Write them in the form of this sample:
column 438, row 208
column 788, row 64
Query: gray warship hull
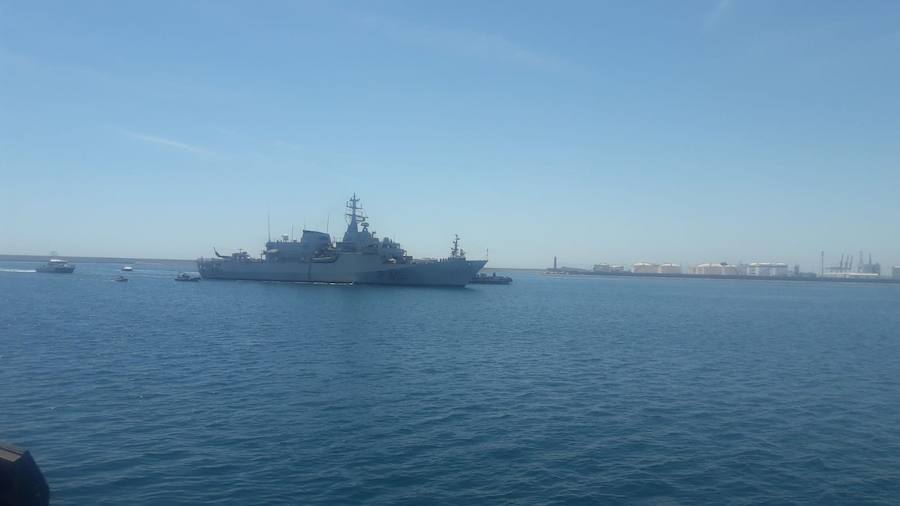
column 348, row 268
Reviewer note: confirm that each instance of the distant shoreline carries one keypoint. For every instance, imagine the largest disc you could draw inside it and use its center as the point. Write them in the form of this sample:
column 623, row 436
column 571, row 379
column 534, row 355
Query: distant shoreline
column 626, row 274
column 125, row 260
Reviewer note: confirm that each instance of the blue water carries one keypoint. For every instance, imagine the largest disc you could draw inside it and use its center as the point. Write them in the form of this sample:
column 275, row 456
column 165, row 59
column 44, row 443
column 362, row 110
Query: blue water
column 548, row 391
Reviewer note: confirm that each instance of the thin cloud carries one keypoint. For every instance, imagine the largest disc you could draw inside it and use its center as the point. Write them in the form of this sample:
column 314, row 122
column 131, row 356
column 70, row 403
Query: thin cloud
column 718, row 12
column 486, row 46
column 289, row 145
column 162, row 141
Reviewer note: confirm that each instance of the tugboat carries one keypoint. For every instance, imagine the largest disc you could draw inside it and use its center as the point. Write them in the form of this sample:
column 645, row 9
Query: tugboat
column 57, row 266
column 493, row 279
column 184, row 276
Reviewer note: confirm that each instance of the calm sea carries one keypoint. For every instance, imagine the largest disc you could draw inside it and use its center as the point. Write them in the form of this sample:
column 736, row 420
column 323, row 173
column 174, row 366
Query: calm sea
column 548, row 391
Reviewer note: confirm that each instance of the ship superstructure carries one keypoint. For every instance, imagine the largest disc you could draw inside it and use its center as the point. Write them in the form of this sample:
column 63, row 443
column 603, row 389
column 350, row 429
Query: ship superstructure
column 360, row 257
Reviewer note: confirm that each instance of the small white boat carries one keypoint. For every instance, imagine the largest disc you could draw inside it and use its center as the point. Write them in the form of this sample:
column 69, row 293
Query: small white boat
column 127, row 268
column 184, row 276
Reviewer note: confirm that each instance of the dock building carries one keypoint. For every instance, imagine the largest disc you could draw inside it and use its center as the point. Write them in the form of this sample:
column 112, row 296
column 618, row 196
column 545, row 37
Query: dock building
column 652, row 268
column 713, row 269
column 869, row 267
column 767, row 269
column 850, row 275
column 844, row 269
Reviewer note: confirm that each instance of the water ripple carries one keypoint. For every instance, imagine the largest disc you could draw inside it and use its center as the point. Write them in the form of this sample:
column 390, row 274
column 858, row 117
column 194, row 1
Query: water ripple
column 549, row 391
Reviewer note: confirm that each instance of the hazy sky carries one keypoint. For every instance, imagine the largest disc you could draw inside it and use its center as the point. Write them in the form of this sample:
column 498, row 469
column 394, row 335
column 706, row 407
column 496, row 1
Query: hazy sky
column 597, row 131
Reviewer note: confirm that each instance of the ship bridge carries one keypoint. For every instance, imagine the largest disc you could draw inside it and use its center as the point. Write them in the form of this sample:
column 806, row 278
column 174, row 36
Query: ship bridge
column 312, row 244
column 357, row 237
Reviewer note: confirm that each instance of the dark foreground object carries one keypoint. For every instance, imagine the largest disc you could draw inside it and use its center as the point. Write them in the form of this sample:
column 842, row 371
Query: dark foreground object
column 21, row 481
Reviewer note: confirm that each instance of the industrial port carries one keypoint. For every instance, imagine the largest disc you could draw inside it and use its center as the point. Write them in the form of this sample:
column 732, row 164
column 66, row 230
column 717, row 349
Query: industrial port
column 847, row 269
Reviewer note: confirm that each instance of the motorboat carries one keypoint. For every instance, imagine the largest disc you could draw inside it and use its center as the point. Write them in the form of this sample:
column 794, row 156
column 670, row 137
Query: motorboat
column 493, row 279
column 57, row 266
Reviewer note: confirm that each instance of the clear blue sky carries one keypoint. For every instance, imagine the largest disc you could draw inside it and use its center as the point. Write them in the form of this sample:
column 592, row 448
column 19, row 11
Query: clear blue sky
column 596, row 131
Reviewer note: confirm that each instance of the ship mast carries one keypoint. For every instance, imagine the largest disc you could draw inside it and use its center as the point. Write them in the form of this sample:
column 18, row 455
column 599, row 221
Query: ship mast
column 356, row 216
column 355, row 213
column 455, row 251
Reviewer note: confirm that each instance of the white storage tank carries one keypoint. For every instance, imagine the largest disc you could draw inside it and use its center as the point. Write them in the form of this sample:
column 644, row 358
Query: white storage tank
column 670, row 269
column 645, row 268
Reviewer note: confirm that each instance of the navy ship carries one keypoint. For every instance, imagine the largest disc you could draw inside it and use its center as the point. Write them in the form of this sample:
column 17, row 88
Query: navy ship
column 360, row 258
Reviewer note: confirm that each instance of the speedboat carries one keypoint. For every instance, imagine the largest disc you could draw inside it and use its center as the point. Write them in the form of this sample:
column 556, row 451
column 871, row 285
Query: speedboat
column 184, row 276
column 57, row 266
column 127, row 268
column 120, row 279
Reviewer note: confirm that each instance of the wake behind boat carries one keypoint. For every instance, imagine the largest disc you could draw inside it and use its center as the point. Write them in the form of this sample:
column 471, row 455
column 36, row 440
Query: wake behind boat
column 359, row 258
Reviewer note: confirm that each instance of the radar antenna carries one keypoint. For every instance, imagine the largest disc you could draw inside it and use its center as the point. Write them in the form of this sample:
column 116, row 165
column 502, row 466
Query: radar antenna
column 455, row 251
column 356, row 217
column 354, row 210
